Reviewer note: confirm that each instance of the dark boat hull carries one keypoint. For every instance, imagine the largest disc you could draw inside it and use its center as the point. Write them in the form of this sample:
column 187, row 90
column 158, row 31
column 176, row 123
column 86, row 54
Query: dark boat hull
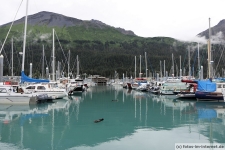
column 208, row 95
column 78, row 89
column 186, row 95
column 129, row 86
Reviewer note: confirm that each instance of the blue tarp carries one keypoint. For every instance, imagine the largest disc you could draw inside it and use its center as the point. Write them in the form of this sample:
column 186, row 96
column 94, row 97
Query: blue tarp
column 25, row 78
column 206, row 86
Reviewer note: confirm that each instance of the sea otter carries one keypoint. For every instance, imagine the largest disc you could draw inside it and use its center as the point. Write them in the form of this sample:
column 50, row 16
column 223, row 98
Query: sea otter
column 99, row 120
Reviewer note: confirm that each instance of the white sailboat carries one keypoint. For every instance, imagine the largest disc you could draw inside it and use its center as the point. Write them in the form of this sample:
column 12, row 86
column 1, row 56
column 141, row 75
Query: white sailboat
column 40, row 88
column 139, row 81
column 9, row 94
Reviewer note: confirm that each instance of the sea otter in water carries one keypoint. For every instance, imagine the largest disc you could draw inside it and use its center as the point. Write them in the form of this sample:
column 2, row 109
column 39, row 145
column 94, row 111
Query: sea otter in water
column 99, row 120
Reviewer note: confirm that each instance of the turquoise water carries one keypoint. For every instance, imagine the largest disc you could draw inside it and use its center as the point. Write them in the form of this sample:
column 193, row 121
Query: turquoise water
column 133, row 120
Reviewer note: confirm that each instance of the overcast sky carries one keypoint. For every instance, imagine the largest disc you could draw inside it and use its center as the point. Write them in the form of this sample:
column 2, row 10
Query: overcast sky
column 180, row 19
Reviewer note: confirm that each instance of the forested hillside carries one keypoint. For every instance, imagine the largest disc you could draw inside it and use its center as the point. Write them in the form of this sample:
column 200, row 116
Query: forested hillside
column 102, row 49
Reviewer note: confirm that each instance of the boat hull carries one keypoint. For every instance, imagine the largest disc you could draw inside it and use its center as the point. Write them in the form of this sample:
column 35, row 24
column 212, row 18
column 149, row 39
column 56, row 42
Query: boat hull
column 167, row 92
column 14, row 100
column 53, row 94
column 208, row 95
column 77, row 89
column 22, row 98
column 186, row 95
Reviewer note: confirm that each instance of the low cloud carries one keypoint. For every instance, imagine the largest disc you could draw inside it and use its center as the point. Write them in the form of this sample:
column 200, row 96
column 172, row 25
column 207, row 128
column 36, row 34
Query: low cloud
column 218, row 38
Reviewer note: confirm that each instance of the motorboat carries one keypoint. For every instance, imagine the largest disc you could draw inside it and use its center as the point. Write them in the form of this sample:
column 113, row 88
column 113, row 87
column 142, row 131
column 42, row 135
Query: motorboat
column 50, row 89
column 168, row 88
column 75, row 85
column 210, row 91
column 190, row 93
column 14, row 95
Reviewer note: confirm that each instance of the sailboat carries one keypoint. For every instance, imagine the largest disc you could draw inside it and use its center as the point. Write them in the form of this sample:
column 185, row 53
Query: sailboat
column 137, row 82
column 208, row 90
column 13, row 94
column 172, row 84
column 42, row 87
column 25, row 78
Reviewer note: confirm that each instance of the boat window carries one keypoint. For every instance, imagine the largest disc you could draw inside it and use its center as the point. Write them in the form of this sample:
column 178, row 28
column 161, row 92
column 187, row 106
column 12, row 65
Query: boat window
column 41, row 88
column 3, row 90
column 223, row 85
column 30, row 87
column 219, row 86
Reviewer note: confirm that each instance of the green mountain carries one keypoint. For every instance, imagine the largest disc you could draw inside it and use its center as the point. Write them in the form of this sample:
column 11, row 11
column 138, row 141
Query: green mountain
column 67, row 28
column 102, row 49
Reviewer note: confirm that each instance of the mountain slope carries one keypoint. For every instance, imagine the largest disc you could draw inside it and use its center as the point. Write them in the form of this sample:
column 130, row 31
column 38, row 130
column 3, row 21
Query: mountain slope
column 220, row 27
column 43, row 22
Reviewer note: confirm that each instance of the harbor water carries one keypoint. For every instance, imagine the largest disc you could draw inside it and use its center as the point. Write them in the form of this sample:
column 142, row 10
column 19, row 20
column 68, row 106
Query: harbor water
column 132, row 120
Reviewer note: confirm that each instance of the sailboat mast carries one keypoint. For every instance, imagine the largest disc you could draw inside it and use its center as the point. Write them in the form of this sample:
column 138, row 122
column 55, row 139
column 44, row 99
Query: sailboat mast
column 199, row 70
column 160, row 63
column 43, row 55
column 146, row 69
column 140, row 67
column 25, row 35
column 69, row 65
column 53, row 55
column 77, row 67
column 59, row 71
column 12, row 57
column 180, row 68
column 172, row 66
column 209, row 53
column 135, row 67
column 189, row 62
column 164, row 69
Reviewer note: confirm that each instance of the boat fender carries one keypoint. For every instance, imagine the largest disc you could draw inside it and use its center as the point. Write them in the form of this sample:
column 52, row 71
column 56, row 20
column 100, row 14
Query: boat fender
column 99, row 120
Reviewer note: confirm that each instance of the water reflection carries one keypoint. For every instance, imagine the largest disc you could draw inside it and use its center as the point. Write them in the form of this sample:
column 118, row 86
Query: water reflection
column 128, row 122
column 76, row 99
column 211, row 115
column 19, row 122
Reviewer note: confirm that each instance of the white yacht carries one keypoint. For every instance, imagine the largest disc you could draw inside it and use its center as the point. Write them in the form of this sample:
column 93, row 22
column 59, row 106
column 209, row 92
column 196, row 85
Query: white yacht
column 11, row 95
column 50, row 89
